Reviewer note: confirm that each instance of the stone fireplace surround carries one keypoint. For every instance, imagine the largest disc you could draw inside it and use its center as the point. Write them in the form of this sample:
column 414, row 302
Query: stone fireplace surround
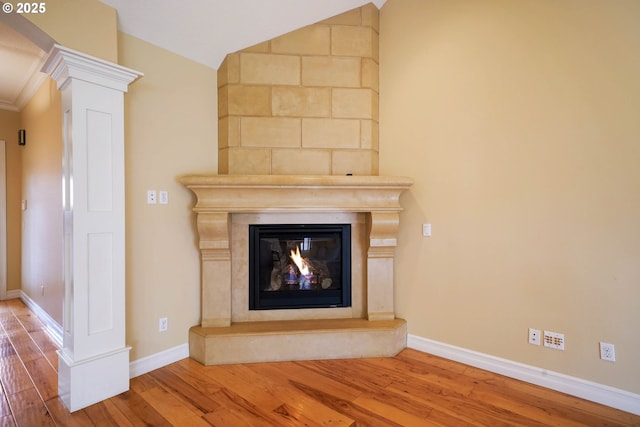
column 230, row 332
column 304, row 104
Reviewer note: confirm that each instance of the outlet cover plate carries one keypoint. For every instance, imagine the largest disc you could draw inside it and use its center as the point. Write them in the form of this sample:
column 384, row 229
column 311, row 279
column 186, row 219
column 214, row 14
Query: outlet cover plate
column 607, row 352
column 151, row 197
column 534, row 336
column 553, row 340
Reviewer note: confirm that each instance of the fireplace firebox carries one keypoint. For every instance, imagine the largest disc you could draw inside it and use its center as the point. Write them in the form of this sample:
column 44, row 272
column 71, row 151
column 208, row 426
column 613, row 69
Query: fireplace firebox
column 299, row 266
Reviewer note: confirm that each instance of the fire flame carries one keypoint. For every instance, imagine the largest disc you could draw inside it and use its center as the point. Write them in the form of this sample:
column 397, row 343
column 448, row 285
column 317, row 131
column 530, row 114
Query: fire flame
column 300, row 263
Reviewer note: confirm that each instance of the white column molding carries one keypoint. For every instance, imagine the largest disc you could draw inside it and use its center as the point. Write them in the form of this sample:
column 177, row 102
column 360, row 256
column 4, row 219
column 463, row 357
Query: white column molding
column 94, row 359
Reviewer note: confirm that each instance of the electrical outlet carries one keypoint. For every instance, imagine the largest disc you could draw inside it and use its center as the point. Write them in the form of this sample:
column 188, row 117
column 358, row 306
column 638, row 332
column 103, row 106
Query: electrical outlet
column 607, row 352
column 151, row 197
column 163, row 324
column 553, row 340
column 534, row 336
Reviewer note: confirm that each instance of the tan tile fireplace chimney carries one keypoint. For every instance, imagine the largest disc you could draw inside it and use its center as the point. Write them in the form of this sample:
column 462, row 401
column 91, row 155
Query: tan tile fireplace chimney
column 298, row 143
column 305, row 103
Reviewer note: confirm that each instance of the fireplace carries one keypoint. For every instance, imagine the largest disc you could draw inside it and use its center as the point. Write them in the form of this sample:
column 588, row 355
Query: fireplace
column 299, row 266
column 365, row 326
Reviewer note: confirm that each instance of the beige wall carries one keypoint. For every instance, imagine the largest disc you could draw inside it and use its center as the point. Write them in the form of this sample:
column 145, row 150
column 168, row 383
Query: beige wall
column 519, row 123
column 42, row 189
column 170, row 130
column 9, row 125
column 88, row 26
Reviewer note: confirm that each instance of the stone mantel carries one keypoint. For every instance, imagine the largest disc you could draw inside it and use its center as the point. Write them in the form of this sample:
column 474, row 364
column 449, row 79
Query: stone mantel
column 299, row 193
column 221, row 196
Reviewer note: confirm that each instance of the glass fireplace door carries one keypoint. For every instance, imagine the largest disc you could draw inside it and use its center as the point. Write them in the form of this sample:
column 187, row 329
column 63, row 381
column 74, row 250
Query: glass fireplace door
column 299, row 266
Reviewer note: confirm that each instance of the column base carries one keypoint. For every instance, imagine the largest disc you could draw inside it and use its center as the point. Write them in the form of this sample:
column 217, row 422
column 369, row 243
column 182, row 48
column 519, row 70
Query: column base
column 84, row 382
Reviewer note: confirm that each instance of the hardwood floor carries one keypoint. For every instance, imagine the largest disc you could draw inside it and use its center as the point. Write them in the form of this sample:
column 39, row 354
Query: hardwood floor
column 411, row 389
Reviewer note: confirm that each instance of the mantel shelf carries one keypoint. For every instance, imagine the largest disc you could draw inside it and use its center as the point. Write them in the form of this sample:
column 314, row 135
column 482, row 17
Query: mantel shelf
column 301, row 193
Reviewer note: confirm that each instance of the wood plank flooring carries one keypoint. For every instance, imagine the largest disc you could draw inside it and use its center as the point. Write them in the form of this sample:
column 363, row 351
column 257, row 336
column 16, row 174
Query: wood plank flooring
column 411, row 389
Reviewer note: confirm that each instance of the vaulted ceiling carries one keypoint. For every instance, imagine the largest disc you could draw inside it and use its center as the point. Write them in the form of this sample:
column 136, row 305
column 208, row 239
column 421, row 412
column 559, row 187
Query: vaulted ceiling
column 201, row 30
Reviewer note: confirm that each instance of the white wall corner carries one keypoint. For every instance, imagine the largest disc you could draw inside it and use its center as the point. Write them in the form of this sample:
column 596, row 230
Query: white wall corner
column 599, row 393
column 14, row 294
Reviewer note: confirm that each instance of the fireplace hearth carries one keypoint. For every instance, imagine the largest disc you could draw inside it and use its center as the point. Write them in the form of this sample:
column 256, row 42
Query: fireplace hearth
column 299, row 266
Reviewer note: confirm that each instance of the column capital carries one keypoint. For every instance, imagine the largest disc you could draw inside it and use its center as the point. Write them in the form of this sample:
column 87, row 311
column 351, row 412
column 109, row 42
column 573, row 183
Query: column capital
column 64, row 64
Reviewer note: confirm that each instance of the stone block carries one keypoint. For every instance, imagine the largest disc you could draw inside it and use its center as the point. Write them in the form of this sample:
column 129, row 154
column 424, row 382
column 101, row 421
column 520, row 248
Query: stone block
column 310, row 40
column 330, row 133
column 257, row 68
column 223, row 161
column 247, row 100
column 229, row 131
column 356, row 162
column 354, row 104
column 331, row 71
column 375, row 46
column 254, row 161
column 370, row 16
column 223, row 101
column 223, row 133
column 352, row 41
column 301, row 101
column 229, row 70
column 222, row 73
column 270, row 132
column 370, row 74
column 369, row 135
column 300, row 162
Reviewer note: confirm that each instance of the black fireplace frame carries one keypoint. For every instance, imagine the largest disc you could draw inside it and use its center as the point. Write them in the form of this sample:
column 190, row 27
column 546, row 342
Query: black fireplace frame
column 260, row 299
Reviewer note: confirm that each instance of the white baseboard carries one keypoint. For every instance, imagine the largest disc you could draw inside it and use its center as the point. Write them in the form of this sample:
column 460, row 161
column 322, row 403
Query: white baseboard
column 158, row 360
column 600, row 393
column 136, row 368
column 52, row 327
column 13, row 294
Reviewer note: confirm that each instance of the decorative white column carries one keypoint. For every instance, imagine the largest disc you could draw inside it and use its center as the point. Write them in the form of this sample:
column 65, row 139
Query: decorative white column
column 94, row 360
